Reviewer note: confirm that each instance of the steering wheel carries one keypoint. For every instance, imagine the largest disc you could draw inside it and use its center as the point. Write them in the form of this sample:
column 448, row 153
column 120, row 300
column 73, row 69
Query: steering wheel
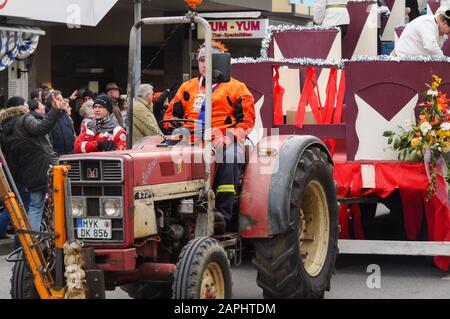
column 179, row 121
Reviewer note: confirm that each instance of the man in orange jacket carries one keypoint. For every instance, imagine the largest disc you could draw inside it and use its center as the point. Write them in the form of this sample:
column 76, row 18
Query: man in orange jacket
column 233, row 115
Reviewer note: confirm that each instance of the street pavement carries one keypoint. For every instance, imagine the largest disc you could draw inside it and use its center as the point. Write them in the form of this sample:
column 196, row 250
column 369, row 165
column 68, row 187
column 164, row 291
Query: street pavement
column 356, row 277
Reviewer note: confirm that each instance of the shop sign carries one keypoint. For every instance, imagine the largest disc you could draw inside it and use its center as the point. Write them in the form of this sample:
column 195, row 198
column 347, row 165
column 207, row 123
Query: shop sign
column 236, row 29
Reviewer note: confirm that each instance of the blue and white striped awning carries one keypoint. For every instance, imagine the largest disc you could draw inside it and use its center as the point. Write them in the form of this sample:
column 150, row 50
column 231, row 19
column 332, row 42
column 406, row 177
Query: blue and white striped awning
column 17, row 42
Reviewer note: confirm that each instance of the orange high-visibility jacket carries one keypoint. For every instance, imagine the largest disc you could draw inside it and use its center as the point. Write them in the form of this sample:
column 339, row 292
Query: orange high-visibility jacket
column 233, row 107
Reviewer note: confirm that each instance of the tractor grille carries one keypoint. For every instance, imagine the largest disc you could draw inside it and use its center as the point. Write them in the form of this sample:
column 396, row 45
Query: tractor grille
column 92, row 180
column 95, row 170
column 112, row 170
column 75, row 171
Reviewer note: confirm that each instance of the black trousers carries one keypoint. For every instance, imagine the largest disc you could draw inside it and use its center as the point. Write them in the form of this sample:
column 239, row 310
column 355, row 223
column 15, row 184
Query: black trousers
column 227, row 177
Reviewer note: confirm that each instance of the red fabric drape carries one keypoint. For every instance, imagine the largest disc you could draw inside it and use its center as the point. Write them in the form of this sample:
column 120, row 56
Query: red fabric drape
column 331, row 97
column 278, row 94
column 349, row 184
column 438, row 218
column 300, row 116
column 310, row 95
column 340, row 100
column 412, row 181
column 331, row 111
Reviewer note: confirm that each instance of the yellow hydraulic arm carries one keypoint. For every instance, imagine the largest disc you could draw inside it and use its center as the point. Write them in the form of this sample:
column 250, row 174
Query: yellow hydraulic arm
column 9, row 195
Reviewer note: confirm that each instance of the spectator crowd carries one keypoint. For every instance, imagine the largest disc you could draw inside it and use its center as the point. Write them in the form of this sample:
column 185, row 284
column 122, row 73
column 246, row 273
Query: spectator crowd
column 36, row 132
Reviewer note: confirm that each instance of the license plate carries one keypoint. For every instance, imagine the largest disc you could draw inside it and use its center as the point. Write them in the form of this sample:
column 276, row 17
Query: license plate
column 93, row 228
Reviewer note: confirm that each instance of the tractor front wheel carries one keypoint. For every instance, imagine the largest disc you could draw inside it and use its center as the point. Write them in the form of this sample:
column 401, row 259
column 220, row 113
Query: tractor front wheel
column 203, row 271
column 299, row 263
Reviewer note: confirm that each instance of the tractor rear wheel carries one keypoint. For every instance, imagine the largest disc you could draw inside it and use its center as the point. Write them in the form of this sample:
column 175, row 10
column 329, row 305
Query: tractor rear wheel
column 22, row 281
column 203, row 271
column 299, row 263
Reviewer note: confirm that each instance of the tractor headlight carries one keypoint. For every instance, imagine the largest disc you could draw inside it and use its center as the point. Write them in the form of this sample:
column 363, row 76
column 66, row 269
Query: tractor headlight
column 78, row 207
column 111, row 207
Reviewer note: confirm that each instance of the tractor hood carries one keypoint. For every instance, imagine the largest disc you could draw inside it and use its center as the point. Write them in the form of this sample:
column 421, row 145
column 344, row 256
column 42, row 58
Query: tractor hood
column 150, row 164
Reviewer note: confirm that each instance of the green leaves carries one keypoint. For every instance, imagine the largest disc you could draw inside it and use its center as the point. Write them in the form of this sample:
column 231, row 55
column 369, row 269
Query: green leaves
column 412, row 156
column 411, row 140
column 397, row 141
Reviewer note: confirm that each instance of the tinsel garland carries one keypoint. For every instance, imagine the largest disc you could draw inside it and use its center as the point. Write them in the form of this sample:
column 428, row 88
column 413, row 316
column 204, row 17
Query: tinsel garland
column 282, row 28
column 422, row 58
column 299, row 61
column 339, row 63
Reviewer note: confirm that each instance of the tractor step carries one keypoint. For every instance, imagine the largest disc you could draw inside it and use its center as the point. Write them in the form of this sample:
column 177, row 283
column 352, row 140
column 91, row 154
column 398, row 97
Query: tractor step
column 232, row 244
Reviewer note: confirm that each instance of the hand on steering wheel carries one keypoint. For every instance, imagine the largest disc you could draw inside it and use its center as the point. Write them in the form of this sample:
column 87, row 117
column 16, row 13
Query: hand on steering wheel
column 179, row 121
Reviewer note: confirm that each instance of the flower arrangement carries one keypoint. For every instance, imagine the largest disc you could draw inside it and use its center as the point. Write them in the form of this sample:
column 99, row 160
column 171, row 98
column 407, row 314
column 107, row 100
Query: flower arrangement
column 429, row 138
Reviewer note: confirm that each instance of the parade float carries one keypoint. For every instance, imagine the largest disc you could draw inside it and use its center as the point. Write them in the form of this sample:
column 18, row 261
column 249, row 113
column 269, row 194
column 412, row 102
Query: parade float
column 140, row 220
column 306, row 83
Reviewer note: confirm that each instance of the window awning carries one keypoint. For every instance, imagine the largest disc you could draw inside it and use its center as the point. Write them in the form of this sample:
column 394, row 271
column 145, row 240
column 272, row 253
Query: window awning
column 74, row 13
column 17, row 42
column 21, row 28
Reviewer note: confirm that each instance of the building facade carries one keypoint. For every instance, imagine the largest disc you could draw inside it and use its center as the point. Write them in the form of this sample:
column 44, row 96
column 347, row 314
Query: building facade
column 74, row 54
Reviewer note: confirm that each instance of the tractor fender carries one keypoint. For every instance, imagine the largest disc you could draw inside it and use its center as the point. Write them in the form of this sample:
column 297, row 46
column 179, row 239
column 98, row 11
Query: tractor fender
column 268, row 177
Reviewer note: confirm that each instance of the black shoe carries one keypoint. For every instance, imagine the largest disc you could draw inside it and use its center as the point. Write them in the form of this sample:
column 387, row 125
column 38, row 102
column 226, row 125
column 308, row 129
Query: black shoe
column 10, row 230
column 220, row 224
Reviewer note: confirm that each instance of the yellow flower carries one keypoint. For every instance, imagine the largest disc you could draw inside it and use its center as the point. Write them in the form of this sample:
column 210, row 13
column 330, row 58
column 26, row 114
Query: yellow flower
column 446, row 148
column 441, row 133
column 415, row 142
column 437, row 79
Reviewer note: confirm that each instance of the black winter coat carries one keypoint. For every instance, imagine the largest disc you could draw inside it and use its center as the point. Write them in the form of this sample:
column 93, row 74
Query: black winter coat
column 25, row 144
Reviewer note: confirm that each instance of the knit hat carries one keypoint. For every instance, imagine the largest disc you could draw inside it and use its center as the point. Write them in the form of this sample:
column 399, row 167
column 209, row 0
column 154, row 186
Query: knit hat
column 105, row 101
column 15, row 101
column 214, row 48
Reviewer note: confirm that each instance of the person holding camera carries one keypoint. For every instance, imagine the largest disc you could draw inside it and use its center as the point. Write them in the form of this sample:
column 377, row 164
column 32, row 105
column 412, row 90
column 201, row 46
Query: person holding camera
column 62, row 136
column 28, row 151
column 103, row 133
column 76, row 101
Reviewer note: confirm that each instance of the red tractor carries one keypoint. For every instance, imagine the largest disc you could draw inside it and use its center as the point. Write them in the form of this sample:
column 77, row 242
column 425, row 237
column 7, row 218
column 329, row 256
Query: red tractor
column 148, row 212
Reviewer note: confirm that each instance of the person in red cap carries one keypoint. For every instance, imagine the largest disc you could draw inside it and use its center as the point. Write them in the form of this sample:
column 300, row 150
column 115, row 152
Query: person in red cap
column 103, row 133
column 233, row 115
